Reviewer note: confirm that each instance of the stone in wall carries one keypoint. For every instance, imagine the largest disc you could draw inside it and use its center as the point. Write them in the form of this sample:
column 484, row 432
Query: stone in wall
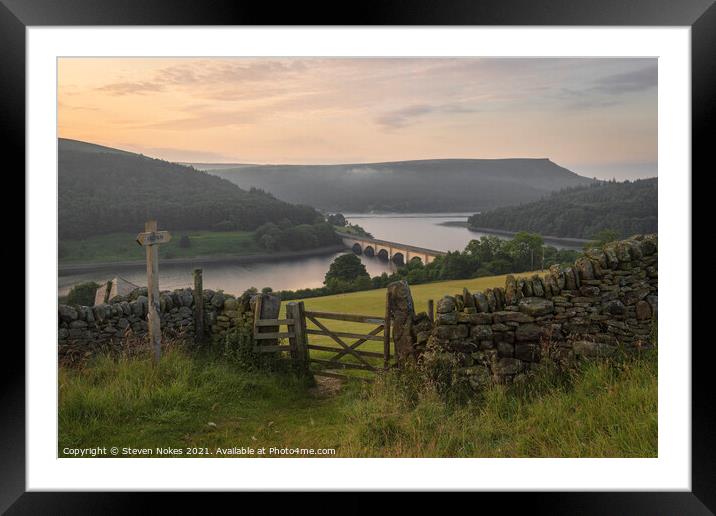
column 402, row 312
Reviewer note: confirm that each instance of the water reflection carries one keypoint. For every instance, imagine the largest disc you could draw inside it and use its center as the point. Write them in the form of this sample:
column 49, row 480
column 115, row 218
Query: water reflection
column 232, row 278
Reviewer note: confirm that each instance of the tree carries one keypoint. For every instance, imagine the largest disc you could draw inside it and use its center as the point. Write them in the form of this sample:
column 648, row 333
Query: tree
column 602, row 237
column 336, row 219
column 486, row 249
column 347, row 267
column 456, row 265
column 525, row 249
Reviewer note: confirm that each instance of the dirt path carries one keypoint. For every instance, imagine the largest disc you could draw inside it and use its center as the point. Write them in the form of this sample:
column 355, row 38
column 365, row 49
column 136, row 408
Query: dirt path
column 326, row 387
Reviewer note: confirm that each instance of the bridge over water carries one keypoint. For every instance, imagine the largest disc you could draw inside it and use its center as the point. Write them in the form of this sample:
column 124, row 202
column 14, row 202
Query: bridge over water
column 394, row 251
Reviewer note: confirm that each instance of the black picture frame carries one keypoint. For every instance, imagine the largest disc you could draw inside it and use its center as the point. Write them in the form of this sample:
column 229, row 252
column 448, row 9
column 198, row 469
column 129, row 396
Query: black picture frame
column 700, row 15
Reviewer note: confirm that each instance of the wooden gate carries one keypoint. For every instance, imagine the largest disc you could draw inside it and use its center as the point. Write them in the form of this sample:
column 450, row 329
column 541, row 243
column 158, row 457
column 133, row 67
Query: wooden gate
column 380, row 333
column 268, row 337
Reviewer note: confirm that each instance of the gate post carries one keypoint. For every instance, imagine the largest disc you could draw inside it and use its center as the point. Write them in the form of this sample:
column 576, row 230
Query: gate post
column 302, row 337
column 386, row 332
column 299, row 343
column 292, row 314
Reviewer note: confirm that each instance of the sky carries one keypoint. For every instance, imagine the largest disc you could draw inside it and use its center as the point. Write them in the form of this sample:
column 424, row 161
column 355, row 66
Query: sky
column 594, row 116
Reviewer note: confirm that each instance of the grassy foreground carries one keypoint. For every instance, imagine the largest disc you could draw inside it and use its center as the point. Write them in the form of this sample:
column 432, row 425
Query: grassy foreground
column 117, row 247
column 202, row 402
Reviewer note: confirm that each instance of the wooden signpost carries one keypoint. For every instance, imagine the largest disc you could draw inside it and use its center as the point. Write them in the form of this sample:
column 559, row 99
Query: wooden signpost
column 150, row 240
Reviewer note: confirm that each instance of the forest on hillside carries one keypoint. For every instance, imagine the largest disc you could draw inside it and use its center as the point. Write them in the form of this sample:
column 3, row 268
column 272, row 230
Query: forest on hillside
column 101, row 192
column 627, row 208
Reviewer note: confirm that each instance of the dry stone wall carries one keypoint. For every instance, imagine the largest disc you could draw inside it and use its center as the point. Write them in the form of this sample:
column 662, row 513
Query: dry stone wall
column 607, row 299
column 128, row 314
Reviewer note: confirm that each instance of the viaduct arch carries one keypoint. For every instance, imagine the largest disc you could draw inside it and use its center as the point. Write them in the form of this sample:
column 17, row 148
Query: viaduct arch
column 394, row 251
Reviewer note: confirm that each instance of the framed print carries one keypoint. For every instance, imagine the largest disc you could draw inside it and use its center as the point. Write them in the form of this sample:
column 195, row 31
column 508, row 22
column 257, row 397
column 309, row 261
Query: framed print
column 415, row 250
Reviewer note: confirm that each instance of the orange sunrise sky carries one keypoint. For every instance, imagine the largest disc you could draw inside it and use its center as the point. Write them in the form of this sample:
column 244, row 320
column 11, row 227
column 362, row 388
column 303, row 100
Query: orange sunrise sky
column 595, row 116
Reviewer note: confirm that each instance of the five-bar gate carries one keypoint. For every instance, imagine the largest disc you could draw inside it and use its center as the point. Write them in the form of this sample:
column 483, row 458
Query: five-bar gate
column 346, row 354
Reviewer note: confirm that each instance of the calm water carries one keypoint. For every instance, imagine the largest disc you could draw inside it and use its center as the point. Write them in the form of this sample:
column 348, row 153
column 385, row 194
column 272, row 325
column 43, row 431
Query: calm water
column 422, row 230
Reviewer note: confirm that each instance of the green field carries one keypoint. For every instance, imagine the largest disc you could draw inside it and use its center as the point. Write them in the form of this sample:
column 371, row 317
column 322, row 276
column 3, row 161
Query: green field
column 372, row 302
column 119, row 247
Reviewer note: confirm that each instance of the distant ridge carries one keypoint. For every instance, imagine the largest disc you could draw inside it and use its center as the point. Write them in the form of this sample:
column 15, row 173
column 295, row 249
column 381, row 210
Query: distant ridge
column 429, row 185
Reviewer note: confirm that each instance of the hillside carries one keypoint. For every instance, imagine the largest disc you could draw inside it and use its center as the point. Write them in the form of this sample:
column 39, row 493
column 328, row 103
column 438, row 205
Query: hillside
column 103, row 190
column 628, row 208
column 405, row 186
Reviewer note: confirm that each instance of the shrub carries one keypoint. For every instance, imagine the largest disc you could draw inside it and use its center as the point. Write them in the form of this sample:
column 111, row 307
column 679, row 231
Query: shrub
column 237, row 345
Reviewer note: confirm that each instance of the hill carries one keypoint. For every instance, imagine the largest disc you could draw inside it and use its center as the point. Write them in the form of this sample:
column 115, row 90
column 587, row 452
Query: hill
column 103, row 190
column 405, row 186
column 66, row 144
column 629, row 207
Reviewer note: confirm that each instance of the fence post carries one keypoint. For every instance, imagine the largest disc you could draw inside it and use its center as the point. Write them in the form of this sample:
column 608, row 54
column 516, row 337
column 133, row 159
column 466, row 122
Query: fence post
column 299, row 343
column 257, row 317
column 299, row 329
column 198, row 307
column 431, row 311
column 292, row 314
column 386, row 332
column 268, row 306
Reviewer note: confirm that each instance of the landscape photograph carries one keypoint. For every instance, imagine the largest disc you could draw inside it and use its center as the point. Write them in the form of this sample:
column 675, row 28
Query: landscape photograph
column 324, row 257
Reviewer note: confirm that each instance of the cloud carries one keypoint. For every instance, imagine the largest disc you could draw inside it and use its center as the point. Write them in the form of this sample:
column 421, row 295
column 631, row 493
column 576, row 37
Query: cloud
column 609, row 90
column 585, row 99
column 209, row 76
column 209, row 119
column 131, row 88
column 402, row 117
column 399, row 118
column 628, row 82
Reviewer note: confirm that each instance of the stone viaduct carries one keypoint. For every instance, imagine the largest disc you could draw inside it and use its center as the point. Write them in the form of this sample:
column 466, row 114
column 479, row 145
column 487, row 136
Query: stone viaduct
column 398, row 253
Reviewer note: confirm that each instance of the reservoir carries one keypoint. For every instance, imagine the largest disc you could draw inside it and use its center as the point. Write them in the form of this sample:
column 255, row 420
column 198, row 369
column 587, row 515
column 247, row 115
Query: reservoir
column 423, row 230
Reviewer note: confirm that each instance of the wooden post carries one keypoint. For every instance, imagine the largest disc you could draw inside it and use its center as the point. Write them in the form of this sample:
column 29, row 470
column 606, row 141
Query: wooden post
column 386, row 332
column 431, row 311
column 291, row 315
column 299, row 351
column 150, row 239
column 268, row 306
column 198, row 307
column 302, row 337
column 257, row 318
column 155, row 334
